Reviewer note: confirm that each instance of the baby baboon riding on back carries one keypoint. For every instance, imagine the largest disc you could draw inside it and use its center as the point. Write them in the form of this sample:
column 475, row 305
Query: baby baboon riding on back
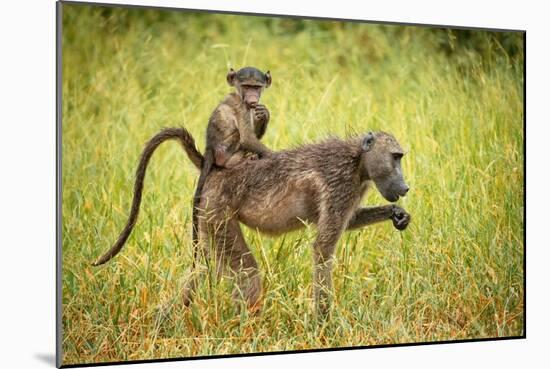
column 235, row 127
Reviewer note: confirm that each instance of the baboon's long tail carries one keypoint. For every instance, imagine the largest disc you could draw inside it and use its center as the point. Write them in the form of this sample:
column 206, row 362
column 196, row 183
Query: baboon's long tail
column 188, row 143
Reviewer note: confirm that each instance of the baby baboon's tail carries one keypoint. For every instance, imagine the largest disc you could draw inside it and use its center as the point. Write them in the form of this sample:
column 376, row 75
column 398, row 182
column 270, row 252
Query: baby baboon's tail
column 188, row 143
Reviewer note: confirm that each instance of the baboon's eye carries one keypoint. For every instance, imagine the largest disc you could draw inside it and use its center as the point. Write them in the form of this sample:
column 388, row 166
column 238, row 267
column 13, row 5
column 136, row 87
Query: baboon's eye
column 397, row 156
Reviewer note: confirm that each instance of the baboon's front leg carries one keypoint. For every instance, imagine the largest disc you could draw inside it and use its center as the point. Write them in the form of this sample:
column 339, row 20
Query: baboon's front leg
column 323, row 258
column 367, row 216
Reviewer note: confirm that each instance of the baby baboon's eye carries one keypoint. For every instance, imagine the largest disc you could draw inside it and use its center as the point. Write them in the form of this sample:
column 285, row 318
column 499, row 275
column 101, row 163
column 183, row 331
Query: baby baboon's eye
column 397, row 156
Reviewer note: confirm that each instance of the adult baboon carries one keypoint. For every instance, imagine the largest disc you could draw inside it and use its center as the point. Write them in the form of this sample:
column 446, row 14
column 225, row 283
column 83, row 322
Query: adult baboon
column 319, row 183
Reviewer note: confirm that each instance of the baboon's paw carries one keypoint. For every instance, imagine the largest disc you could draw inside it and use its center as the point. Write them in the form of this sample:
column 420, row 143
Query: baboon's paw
column 400, row 218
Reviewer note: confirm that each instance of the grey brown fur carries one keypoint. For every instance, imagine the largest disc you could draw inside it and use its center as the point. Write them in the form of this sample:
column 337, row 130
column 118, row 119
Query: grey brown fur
column 321, row 184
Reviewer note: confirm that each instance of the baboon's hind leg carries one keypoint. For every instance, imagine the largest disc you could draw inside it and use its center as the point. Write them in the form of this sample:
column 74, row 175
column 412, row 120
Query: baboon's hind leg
column 242, row 265
column 199, row 270
column 197, row 274
column 231, row 254
column 190, row 286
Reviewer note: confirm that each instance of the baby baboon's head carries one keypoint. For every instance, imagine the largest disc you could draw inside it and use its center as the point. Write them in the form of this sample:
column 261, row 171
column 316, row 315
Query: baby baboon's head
column 382, row 160
column 250, row 83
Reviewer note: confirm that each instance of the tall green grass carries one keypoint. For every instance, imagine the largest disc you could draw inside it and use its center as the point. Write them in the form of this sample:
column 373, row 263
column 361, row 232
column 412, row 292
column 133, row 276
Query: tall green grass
column 455, row 273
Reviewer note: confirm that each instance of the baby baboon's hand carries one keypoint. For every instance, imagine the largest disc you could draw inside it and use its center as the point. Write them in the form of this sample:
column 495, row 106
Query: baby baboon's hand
column 400, row 218
column 261, row 114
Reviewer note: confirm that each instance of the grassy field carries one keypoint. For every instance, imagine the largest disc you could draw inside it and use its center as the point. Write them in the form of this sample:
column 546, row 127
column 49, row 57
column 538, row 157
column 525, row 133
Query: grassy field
column 453, row 100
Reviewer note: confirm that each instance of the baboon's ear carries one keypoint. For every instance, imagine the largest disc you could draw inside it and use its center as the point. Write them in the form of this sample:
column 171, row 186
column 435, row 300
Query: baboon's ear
column 231, row 77
column 368, row 142
column 267, row 79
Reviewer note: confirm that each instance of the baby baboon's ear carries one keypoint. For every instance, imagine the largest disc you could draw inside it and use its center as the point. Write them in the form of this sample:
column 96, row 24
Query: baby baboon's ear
column 231, row 77
column 368, row 142
column 267, row 79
